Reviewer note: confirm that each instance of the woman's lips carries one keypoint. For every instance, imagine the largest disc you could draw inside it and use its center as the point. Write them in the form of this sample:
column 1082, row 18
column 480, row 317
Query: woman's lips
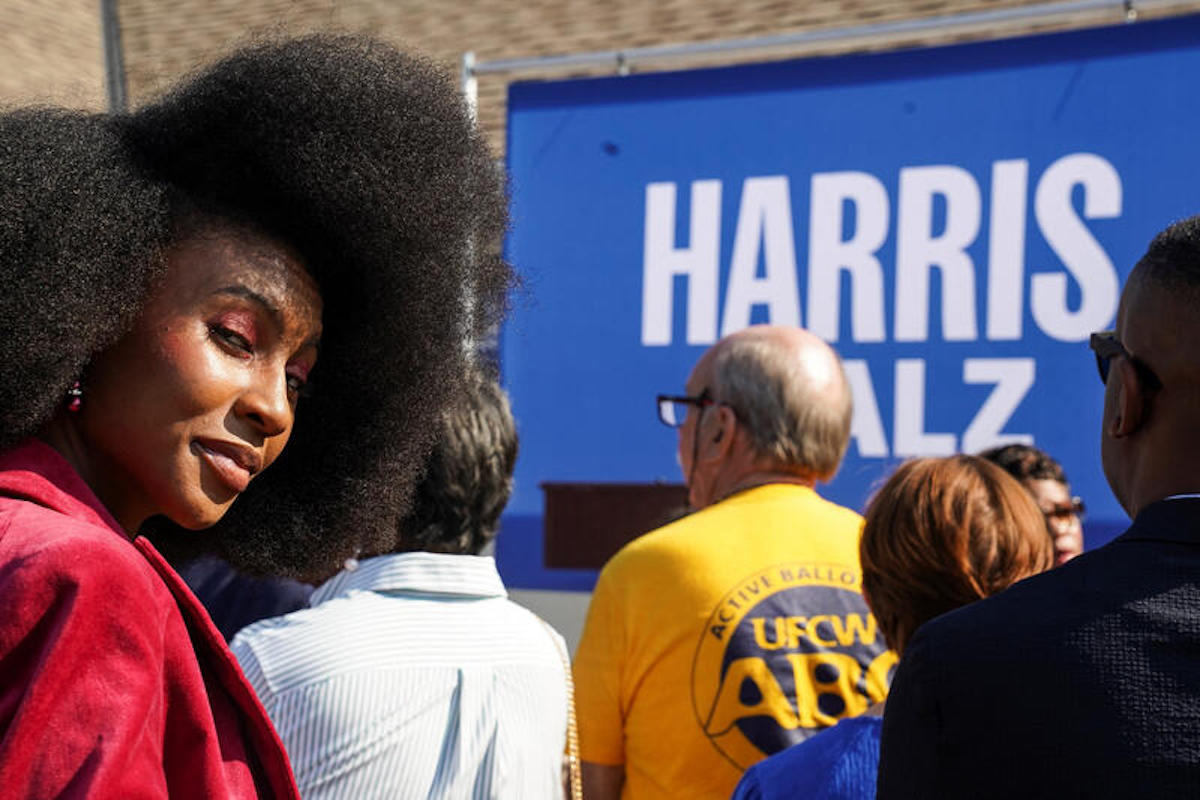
column 233, row 464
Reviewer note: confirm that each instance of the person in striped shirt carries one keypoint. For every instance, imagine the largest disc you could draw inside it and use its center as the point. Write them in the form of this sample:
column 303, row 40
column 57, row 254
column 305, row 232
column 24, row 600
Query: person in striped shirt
column 411, row 674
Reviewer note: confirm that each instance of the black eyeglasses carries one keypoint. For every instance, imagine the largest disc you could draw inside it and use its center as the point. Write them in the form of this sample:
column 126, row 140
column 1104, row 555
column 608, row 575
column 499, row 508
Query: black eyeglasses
column 673, row 408
column 1107, row 346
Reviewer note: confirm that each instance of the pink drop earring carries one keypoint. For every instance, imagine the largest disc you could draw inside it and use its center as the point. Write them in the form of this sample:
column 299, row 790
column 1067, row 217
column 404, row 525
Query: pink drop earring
column 75, row 393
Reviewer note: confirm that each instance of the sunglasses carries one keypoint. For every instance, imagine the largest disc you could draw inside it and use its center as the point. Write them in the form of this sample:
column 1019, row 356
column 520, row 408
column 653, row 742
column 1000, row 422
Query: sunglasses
column 1107, row 346
column 1063, row 512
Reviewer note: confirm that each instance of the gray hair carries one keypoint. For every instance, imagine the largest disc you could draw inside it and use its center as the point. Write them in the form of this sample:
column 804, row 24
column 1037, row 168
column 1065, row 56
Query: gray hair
column 798, row 425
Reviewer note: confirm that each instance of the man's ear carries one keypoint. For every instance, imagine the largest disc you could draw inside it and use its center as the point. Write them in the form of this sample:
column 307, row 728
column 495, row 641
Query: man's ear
column 727, row 422
column 717, row 437
column 1129, row 401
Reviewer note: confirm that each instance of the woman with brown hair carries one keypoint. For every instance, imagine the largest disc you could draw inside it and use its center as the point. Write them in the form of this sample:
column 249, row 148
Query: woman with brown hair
column 941, row 533
column 1044, row 478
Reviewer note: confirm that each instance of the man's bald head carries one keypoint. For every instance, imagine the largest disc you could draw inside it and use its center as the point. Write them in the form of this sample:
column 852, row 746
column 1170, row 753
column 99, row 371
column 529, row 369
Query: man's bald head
column 790, row 394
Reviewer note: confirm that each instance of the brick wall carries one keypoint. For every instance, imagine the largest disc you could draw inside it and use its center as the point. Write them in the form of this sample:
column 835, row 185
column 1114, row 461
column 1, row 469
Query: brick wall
column 163, row 39
column 51, row 52
column 46, row 51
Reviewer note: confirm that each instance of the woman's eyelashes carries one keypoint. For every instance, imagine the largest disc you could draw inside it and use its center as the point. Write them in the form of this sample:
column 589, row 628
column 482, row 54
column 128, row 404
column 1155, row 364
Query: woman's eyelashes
column 232, row 341
column 297, row 381
column 235, row 333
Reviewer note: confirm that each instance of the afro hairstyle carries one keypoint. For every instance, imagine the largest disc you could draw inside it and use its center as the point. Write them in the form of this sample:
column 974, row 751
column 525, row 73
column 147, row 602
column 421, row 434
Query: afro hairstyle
column 82, row 233
column 367, row 161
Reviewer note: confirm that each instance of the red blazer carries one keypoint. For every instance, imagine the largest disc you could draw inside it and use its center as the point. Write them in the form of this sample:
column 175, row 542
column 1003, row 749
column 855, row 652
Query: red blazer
column 113, row 681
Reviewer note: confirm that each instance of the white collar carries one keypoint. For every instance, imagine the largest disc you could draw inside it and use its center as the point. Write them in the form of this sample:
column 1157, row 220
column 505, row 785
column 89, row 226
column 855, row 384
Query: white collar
column 424, row 573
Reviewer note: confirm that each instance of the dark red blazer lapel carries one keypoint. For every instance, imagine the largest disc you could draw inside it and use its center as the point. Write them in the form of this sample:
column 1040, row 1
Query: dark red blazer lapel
column 214, row 655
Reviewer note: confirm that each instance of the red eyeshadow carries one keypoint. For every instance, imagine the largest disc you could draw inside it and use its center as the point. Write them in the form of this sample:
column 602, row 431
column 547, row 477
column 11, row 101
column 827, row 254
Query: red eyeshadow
column 242, row 323
column 299, row 369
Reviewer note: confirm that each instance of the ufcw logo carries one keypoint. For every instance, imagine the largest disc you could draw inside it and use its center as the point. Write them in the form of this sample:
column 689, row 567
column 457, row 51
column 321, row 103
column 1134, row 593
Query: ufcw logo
column 786, row 653
column 826, row 687
column 748, row 593
column 788, row 632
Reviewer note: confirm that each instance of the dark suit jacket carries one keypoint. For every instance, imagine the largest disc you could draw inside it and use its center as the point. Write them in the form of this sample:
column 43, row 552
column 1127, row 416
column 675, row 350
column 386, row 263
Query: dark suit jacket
column 1080, row 682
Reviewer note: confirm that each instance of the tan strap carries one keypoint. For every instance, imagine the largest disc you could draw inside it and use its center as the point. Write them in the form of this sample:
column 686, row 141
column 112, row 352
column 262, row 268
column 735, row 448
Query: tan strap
column 574, row 777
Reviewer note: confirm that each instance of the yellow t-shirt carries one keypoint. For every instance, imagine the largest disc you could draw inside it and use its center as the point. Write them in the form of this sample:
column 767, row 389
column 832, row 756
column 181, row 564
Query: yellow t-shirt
column 724, row 637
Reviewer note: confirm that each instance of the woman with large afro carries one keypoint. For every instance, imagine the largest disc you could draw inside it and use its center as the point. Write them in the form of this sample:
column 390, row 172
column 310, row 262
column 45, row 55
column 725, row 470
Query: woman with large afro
column 291, row 247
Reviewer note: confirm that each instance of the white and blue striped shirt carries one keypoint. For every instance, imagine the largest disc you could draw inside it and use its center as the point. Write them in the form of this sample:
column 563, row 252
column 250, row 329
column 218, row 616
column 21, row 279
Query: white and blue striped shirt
column 414, row 676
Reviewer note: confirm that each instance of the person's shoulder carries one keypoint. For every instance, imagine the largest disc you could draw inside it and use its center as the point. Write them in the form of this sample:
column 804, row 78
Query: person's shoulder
column 529, row 636
column 283, row 652
column 846, row 738
column 705, row 535
column 525, row 619
column 1034, row 610
column 803, row 768
column 836, row 515
column 56, row 566
column 697, row 544
column 802, row 505
column 337, row 634
column 46, row 541
column 365, row 633
column 297, row 628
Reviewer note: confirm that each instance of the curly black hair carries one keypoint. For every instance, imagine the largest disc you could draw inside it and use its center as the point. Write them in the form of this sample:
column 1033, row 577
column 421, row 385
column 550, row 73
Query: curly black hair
column 1026, row 463
column 366, row 160
column 82, row 233
column 363, row 159
column 468, row 478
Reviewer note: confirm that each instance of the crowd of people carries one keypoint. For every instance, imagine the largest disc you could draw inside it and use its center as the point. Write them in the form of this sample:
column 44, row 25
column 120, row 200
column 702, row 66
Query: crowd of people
column 769, row 621
column 234, row 328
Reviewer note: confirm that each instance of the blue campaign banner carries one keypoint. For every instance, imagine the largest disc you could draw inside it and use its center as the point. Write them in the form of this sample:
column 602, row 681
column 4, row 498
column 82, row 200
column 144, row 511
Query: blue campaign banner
column 954, row 220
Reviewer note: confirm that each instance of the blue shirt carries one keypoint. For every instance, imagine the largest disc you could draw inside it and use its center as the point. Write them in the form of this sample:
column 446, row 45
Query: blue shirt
column 838, row 763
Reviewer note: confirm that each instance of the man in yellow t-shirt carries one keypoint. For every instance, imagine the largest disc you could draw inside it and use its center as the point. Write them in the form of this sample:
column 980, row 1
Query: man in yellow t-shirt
column 724, row 637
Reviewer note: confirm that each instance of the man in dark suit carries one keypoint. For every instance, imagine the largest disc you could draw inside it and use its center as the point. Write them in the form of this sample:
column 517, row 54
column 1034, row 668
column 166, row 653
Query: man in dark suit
column 1085, row 681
